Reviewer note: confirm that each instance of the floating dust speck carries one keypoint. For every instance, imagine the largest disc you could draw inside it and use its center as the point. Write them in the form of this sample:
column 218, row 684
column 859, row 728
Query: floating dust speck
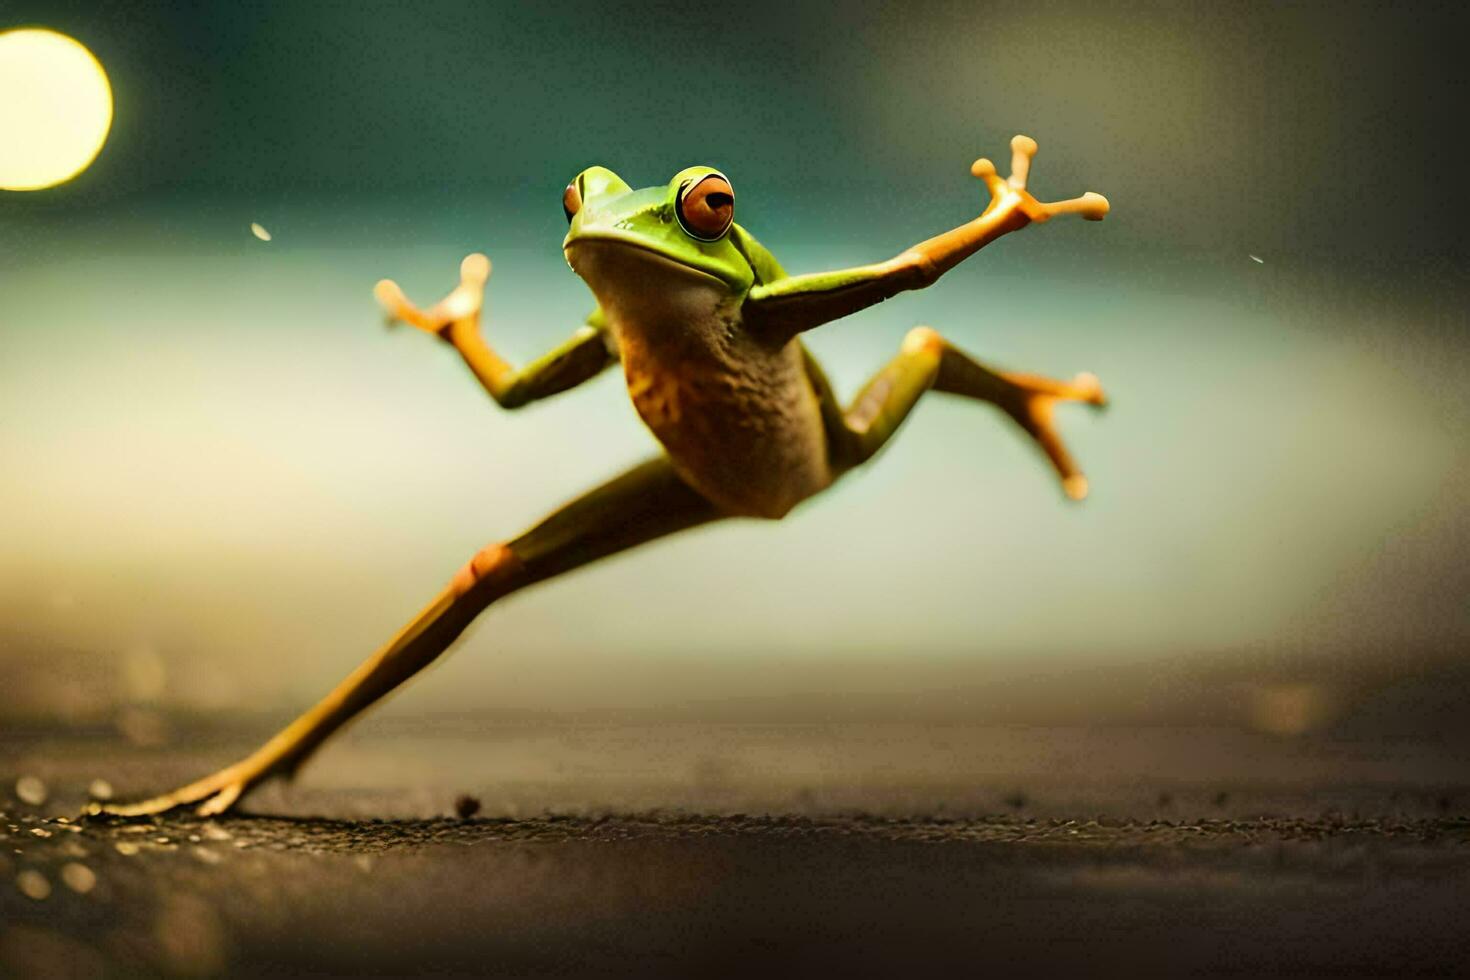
column 1258, row 260
column 206, row 855
column 466, row 806
column 213, row 831
column 363, row 861
column 78, row 877
column 126, row 848
column 30, row 790
column 99, row 789
column 259, row 232
column 33, row 885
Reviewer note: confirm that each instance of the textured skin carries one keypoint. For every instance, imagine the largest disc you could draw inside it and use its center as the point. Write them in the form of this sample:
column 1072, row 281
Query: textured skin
column 736, row 414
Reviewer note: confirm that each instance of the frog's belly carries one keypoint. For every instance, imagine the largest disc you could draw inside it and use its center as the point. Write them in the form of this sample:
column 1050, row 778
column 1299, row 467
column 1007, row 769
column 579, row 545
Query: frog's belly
column 746, row 433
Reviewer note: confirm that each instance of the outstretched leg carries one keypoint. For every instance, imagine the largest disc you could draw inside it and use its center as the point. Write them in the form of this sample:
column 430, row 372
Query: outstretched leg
column 645, row 503
column 926, row 361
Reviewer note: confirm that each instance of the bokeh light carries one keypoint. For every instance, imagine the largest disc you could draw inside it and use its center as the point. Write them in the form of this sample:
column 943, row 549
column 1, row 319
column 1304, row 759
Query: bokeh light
column 55, row 112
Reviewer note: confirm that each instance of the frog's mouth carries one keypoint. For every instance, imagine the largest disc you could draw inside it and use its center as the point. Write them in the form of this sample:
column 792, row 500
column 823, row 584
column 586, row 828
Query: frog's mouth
column 597, row 255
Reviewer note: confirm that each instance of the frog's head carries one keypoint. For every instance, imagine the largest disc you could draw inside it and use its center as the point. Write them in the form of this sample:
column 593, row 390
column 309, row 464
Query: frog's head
column 658, row 237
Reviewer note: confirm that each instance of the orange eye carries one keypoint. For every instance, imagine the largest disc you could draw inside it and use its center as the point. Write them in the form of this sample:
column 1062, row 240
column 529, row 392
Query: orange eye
column 571, row 200
column 706, row 207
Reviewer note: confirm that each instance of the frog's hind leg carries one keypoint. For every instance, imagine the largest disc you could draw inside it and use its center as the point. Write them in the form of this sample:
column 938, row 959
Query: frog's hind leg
column 645, row 503
column 927, row 361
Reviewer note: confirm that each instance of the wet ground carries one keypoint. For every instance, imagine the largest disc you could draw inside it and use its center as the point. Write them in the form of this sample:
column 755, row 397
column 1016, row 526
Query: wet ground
column 697, row 851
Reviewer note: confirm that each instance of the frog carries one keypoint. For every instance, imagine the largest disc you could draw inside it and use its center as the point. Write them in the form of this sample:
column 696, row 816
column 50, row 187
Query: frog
column 706, row 326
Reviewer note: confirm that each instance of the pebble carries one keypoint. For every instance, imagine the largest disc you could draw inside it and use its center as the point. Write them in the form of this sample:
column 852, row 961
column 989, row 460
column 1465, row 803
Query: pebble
column 78, row 877
column 30, row 790
column 127, row 848
column 33, row 885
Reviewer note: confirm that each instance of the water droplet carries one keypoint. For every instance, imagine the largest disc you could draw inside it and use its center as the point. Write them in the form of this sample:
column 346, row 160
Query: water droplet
column 259, row 232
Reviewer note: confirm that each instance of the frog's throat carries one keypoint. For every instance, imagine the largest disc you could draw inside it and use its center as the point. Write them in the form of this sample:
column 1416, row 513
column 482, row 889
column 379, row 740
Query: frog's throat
column 604, row 239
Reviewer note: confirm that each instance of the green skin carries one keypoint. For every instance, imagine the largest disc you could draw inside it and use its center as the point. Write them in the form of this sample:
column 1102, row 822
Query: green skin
column 708, row 336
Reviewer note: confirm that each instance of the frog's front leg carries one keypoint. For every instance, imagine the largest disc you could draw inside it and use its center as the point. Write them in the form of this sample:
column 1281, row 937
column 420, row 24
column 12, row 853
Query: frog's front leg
column 793, row 304
column 456, row 320
column 647, row 502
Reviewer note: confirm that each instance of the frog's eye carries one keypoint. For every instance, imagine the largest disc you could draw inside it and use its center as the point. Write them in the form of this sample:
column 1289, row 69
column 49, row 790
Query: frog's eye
column 571, row 200
column 706, row 207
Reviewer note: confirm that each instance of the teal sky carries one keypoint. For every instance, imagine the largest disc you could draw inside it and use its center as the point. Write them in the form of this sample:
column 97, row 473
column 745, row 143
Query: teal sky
column 215, row 453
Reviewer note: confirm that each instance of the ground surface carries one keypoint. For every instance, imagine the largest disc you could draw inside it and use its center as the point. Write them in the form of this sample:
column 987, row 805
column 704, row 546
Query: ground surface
column 745, row 851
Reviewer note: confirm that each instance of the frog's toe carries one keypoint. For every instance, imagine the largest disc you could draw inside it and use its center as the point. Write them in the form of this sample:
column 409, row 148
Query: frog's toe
column 1092, row 206
column 1032, row 402
column 212, row 795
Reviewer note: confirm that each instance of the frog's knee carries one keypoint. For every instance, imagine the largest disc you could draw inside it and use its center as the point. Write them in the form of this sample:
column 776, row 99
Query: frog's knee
column 922, row 340
column 496, row 562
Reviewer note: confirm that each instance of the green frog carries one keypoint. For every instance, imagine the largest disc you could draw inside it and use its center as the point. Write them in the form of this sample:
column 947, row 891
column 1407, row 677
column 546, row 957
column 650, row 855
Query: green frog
column 707, row 326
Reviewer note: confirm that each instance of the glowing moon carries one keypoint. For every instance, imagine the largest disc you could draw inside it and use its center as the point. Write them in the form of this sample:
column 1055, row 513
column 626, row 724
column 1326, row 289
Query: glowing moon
column 55, row 109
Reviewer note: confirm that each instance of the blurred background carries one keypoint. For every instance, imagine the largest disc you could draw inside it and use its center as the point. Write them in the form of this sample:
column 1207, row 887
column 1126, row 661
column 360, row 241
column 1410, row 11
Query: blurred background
column 225, row 482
